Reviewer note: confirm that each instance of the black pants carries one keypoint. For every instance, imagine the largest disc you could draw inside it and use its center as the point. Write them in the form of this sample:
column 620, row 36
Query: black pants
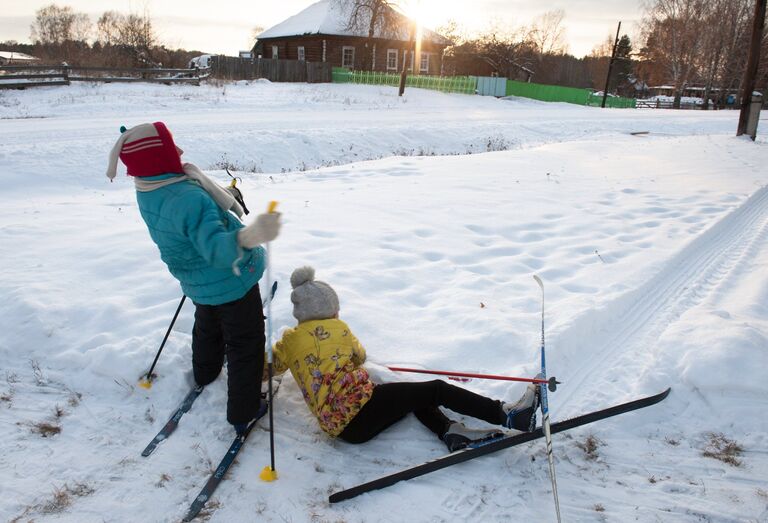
column 234, row 329
column 392, row 401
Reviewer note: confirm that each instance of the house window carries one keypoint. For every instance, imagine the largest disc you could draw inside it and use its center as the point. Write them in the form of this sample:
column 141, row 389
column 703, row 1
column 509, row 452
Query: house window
column 424, row 67
column 392, row 59
column 301, row 53
column 348, row 56
column 274, row 52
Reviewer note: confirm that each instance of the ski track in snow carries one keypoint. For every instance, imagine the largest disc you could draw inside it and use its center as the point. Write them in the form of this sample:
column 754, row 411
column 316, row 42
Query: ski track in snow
column 653, row 250
column 629, row 328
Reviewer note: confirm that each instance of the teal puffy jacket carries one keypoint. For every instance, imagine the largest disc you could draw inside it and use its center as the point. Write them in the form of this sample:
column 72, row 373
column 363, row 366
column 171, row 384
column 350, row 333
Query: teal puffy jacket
column 198, row 242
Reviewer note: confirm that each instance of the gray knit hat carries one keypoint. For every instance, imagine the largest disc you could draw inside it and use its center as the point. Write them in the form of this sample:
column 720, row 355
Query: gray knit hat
column 312, row 300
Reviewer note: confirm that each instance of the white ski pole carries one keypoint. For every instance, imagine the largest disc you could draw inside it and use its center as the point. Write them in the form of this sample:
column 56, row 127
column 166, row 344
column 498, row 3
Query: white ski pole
column 545, row 406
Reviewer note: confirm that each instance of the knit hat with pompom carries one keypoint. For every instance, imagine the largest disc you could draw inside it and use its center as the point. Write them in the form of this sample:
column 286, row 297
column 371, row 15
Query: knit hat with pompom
column 312, row 300
column 146, row 150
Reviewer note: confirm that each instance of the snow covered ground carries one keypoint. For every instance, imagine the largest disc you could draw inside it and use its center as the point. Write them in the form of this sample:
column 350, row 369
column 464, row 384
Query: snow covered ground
column 653, row 249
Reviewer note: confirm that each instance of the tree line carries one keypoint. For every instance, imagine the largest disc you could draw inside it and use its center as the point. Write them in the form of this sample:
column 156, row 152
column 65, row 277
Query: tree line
column 61, row 34
column 682, row 43
column 699, row 42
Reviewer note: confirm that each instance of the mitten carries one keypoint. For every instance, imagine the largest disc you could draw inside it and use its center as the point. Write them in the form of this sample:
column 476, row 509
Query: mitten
column 263, row 230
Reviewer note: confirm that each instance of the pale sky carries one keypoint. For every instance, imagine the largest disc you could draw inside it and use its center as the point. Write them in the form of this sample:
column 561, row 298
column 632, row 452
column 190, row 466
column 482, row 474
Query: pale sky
column 226, row 26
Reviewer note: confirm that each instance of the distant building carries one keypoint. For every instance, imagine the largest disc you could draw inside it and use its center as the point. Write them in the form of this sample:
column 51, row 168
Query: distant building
column 319, row 33
column 14, row 58
column 200, row 62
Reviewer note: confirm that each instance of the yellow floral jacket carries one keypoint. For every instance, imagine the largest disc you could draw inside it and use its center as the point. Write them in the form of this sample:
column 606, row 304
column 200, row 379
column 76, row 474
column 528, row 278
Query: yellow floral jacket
column 326, row 360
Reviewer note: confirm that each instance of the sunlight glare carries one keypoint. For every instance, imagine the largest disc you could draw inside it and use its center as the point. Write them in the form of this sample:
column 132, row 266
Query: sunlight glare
column 424, row 12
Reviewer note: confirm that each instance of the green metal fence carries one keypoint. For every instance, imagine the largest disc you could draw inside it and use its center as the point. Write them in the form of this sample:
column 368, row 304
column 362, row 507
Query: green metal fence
column 616, row 102
column 468, row 85
column 547, row 93
column 447, row 84
column 572, row 95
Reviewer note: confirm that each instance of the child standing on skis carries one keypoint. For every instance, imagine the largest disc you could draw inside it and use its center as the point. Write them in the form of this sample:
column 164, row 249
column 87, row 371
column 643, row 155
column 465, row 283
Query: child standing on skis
column 218, row 261
column 326, row 360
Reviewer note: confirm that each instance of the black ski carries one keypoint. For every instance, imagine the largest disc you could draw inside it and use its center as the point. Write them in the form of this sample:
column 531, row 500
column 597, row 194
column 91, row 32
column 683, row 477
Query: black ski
column 226, row 462
column 189, row 399
column 173, row 422
column 483, row 448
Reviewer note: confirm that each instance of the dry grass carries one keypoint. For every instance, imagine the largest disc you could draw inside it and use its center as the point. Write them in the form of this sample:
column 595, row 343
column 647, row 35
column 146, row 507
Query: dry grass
column 40, row 378
column 7, row 397
column 590, row 446
column 74, row 398
column 62, row 499
column 207, row 511
column 164, row 478
column 46, row 429
column 723, row 449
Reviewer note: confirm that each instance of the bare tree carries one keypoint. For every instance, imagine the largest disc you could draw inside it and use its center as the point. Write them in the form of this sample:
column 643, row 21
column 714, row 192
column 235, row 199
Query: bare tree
column 723, row 58
column 136, row 33
column 108, row 28
column 452, row 31
column 505, row 49
column 376, row 19
column 510, row 52
column 547, row 34
column 255, row 32
column 56, row 25
column 674, row 36
column 127, row 38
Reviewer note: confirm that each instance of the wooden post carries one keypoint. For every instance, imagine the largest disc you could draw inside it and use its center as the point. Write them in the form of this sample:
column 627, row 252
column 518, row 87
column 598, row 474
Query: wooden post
column 65, row 71
column 750, row 72
column 401, row 88
column 403, row 73
column 610, row 66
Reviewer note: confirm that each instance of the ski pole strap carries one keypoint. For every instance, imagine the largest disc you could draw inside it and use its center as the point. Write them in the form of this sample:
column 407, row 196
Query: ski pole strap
column 234, row 191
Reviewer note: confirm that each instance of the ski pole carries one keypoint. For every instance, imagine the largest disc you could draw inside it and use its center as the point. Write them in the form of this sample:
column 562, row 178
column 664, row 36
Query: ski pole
column 545, row 407
column 269, row 473
column 552, row 383
column 146, row 381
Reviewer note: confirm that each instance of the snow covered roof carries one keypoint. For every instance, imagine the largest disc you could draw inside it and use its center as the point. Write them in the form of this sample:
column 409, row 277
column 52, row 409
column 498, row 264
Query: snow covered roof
column 17, row 57
column 330, row 17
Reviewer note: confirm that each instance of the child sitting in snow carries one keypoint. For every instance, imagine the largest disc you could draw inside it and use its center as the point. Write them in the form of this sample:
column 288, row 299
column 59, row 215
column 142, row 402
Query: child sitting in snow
column 326, row 360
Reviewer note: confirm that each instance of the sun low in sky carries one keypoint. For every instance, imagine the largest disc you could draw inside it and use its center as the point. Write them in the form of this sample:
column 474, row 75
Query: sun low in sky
column 229, row 27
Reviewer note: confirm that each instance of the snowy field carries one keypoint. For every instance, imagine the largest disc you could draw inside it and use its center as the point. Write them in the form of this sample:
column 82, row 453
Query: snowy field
column 429, row 215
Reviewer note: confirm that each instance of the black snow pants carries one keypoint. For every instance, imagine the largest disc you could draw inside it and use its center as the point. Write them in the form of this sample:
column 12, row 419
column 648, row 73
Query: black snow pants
column 390, row 402
column 234, row 329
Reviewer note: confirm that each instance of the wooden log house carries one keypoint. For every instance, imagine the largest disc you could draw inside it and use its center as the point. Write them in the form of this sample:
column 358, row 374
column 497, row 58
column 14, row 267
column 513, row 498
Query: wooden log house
column 320, row 33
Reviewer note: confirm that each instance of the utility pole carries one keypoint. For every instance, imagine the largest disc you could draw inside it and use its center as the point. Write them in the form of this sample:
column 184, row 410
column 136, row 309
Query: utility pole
column 610, row 65
column 752, row 62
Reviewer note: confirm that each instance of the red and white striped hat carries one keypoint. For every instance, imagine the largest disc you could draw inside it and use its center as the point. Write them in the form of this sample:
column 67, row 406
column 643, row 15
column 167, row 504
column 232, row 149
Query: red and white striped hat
column 146, row 150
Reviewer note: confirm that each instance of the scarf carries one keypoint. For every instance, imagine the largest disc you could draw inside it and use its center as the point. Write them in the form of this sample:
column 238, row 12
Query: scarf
column 220, row 195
